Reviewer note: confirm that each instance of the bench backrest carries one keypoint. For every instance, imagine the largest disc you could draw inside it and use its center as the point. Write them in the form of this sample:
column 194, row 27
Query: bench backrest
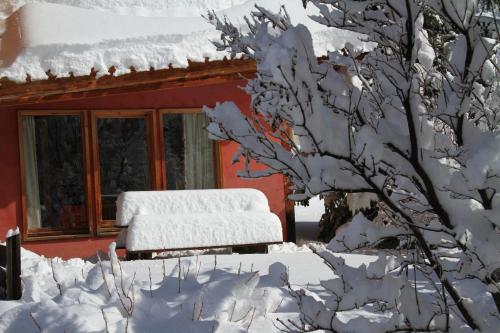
column 130, row 204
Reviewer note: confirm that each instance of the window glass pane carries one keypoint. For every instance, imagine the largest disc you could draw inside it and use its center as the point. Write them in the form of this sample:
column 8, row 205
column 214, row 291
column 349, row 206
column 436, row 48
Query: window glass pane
column 123, row 160
column 189, row 154
column 54, row 173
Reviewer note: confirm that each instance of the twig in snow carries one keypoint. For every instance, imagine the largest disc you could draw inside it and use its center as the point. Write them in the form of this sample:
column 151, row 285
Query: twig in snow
column 179, row 276
column 163, row 267
column 197, row 312
column 279, row 304
column 103, row 275
column 186, row 273
column 289, row 329
column 35, row 322
column 105, row 321
column 150, row 283
column 129, row 310
column 232, row 311
column 197, row 266
column 245, row 315
column 54, row 277
column 294, row 324
column 251, row 319
column 198, row 270
column 251, row 277
column 239, row 269
column 215, row 261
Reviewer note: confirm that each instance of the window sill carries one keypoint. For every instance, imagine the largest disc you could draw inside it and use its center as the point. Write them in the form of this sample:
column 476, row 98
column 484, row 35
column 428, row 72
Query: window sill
column 107, row 231
column 54, row 236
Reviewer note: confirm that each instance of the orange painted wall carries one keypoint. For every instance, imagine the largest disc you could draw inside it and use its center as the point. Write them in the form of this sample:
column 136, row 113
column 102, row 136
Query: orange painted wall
column 10, row 182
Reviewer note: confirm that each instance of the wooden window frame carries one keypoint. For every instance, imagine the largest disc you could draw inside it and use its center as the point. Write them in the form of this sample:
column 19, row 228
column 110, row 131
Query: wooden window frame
column 156, row 156
column 57, row 233
column 107, row 227
column 163, row 163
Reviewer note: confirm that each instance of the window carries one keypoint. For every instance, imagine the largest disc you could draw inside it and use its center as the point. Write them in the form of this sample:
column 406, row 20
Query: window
column 54, row 174
column 76, row 163
column 124, row 158
column 189, row 154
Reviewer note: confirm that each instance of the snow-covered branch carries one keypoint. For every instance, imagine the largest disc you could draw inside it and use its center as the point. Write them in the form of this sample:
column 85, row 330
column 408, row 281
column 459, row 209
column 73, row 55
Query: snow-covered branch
column 415, row 120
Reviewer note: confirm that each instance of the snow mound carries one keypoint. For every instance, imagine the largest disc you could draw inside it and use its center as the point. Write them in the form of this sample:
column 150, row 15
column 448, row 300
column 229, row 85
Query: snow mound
column 194, row 294
column 287, row 248
column 153, row 232
column 130, row 204
column 359, row 233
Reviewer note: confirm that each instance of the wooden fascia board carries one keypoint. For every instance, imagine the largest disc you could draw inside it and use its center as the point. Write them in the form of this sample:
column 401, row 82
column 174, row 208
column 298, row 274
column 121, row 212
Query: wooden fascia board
column 57, row 89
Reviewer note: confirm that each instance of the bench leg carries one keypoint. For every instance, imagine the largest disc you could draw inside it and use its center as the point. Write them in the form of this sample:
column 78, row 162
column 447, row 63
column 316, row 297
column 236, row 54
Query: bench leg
column 146, row 256
column 131, row 256
column 139, row 256
column 251, row 249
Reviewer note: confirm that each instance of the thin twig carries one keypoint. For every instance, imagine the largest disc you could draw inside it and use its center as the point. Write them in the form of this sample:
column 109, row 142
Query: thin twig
column 150, row 283
column 35, row 322
column 103, row 275
column 179, row 276
column 105, row 321
column 251, row 319
column 54, row 277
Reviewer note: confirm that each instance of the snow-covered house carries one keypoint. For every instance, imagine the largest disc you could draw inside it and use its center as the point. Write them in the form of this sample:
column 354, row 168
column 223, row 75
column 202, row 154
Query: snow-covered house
column 103, row 96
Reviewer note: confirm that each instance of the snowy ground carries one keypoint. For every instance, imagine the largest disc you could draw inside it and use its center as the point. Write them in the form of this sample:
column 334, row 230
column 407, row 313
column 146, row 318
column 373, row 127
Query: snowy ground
column 307, row 220
column 223, row 293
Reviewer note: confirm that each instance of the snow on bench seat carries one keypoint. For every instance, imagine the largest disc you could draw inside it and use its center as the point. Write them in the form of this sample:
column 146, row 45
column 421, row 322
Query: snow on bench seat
column 157, row 232
column 189, row 219
column 130, row 204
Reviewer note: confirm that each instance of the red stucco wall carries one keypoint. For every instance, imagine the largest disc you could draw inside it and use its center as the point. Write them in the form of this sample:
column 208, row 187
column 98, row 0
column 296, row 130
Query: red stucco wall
column 10, row 182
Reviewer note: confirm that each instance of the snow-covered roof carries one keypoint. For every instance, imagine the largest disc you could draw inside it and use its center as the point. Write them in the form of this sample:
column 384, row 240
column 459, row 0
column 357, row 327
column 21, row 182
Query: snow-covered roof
column 73, row 36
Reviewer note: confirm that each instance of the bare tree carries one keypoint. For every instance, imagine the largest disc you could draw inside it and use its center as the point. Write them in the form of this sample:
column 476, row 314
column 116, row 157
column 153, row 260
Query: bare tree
column 415, row 120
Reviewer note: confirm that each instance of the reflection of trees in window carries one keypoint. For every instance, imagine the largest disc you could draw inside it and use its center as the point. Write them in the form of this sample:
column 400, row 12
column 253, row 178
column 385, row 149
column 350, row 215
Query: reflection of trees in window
column 174, row 151
column 123, row 157
column 188, row 152
column 54, row 160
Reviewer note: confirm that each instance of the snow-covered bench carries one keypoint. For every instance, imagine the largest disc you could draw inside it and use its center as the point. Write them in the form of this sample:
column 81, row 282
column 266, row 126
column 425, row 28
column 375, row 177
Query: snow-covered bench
column 196, row 219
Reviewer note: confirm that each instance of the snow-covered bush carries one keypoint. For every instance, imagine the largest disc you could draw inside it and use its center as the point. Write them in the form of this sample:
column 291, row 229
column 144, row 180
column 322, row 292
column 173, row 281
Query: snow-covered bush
column 415, row 120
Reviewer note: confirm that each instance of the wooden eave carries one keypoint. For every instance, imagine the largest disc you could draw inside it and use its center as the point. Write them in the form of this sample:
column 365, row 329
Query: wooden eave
column 58, row 89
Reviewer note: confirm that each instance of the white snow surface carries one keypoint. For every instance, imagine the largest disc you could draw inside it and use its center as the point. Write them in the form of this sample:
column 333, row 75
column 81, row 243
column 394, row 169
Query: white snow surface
column 244, row 282
column 359, row 233
column 71, row 37
column 223, row 293
column 153, row 232
column 311, row 213
column 213, row 201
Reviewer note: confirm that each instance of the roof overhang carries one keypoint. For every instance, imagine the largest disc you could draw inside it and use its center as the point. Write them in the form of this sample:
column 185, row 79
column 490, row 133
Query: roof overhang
column 66, row 88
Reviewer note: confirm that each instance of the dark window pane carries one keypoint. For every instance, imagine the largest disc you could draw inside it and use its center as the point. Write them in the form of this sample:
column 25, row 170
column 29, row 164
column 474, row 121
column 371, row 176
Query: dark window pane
column 189, row 154
column 123, row 159
column 173, row 134
column 54, row 173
